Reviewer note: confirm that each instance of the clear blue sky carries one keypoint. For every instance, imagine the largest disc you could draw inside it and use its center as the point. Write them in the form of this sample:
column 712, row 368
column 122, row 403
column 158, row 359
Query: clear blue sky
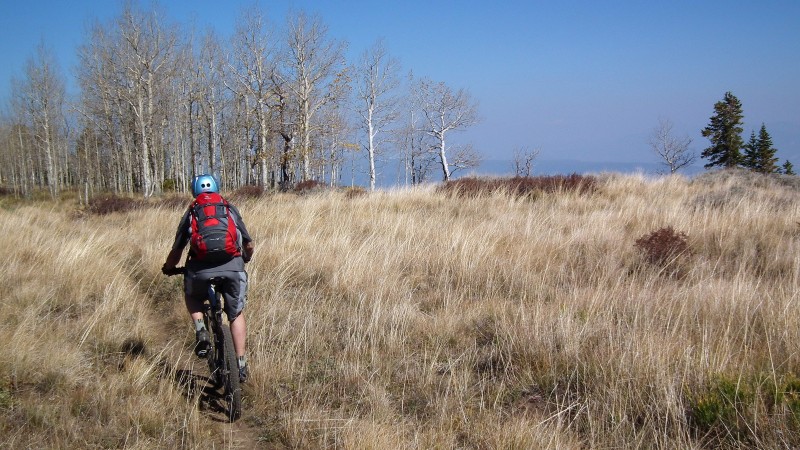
column 584, row 80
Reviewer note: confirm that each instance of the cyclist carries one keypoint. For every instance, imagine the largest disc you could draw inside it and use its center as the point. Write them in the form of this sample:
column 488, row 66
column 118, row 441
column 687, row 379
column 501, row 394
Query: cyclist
column 200, row 270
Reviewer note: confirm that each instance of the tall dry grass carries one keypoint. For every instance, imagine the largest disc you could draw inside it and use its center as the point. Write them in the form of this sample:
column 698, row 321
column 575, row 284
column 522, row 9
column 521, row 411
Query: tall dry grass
column 422, row 319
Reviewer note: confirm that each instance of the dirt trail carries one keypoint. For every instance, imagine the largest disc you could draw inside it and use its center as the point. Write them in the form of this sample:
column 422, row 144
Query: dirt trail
column 190, row 374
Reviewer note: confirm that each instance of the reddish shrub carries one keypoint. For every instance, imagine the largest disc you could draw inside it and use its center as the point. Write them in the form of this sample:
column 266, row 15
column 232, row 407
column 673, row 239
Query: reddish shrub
column 248, row 191
column 663, row 246
column 107, row 204
column 309, row 185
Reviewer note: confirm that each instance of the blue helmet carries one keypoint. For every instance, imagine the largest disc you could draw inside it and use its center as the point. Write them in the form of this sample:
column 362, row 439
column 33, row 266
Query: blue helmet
column 204, row 183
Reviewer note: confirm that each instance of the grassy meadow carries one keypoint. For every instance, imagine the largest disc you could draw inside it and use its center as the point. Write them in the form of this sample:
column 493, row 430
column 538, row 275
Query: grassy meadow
column 422, row 319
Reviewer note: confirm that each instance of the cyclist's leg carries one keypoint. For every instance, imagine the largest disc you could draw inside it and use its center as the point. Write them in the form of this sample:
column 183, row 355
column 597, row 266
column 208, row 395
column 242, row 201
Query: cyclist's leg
column 235, row 292
column 195, row 293
column 195, row 308
column 239, row 334
column 194, row 290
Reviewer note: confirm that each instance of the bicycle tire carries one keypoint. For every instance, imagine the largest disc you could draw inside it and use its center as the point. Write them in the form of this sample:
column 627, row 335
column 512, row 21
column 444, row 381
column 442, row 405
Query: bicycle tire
column 215, row 357
column 233, row 390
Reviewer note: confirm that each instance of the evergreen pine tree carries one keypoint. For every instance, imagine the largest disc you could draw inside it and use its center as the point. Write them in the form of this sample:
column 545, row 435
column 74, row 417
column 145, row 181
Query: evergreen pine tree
column 724, row 131
column 788, row 168
column 750, row 157
column 766, row 162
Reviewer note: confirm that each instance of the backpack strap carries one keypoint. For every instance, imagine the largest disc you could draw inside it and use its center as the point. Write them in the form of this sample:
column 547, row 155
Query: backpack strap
column 199, row 211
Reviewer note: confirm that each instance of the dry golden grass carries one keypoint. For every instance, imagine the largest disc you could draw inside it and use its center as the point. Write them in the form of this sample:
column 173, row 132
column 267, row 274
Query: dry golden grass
column 417, row 319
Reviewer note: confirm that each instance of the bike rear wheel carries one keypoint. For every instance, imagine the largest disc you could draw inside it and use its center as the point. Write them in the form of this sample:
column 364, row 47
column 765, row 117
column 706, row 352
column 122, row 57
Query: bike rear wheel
column 215, row 356
column 233, row 390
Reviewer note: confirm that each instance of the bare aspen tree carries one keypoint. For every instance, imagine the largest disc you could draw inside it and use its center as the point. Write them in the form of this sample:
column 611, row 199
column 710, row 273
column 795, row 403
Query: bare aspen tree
column 445, row 110
column 179, row 140
column 148, row 57
column 127, row 77
column 332, row 126
column 211, row 99
column 314, row 66
column 42, row 92
column 412, row 138
column 250, row 72
column 287, row 125
column 523, row 161
column 418, row 155
column 185, row 117
column 89, row 174
column 376, row 82
column 16, row 149
column 196, row 123
column 21, row 139
column 463, row 157
column 673, row 151
column 8, row 166
column 335, row 140
column 99, row 106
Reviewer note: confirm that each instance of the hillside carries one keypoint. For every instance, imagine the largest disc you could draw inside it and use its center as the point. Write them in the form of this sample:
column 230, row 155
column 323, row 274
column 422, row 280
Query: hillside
column 650, row 313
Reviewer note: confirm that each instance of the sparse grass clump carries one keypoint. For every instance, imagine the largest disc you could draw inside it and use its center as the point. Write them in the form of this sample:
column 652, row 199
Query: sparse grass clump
column 423, row 319
column 726, row 410
column 354, row 192
column 520, row 186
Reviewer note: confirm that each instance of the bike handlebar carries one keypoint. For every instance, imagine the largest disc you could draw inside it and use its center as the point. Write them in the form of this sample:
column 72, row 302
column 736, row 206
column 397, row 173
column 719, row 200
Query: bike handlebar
column 174, row 271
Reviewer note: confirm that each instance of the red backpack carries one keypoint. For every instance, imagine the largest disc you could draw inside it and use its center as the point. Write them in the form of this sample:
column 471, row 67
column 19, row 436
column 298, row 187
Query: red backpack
column 214, row 235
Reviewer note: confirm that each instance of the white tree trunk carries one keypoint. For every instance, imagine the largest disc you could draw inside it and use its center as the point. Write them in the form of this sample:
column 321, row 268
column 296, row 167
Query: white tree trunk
column 371, row 151
column 52, row 176
column 443, row 158
column 144, row 157
column 263, row 130
column 306, row 133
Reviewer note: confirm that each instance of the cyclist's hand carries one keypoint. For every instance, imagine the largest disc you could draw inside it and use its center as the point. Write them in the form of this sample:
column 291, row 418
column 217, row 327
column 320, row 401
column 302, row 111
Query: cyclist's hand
column 167, row 270
column 247, row 251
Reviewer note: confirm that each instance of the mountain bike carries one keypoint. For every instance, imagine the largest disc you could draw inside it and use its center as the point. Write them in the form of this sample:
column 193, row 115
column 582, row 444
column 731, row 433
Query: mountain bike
column 222, row 362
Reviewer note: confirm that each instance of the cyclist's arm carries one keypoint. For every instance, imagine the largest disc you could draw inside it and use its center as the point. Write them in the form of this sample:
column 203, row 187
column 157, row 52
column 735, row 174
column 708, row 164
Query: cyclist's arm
column 173, row 258
column 247, row 242
column 181, row 239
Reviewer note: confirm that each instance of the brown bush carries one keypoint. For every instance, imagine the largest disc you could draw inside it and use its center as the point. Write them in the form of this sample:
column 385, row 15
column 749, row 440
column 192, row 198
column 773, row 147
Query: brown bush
column 663, row 246
column 520, row 186
column 309, row 186
column 174, row 201
column 107, row 204
column 249, row 191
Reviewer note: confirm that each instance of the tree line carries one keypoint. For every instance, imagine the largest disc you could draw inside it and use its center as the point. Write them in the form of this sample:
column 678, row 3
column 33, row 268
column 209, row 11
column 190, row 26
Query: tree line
column 271, row 106
column 728, row 149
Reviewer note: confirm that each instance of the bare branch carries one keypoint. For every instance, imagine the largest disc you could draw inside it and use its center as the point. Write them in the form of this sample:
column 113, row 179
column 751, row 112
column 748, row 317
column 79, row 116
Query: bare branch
column 673, row 151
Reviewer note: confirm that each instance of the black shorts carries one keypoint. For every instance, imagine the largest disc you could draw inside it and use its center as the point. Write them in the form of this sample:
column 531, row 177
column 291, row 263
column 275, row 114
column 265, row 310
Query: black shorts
column 234, row 289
